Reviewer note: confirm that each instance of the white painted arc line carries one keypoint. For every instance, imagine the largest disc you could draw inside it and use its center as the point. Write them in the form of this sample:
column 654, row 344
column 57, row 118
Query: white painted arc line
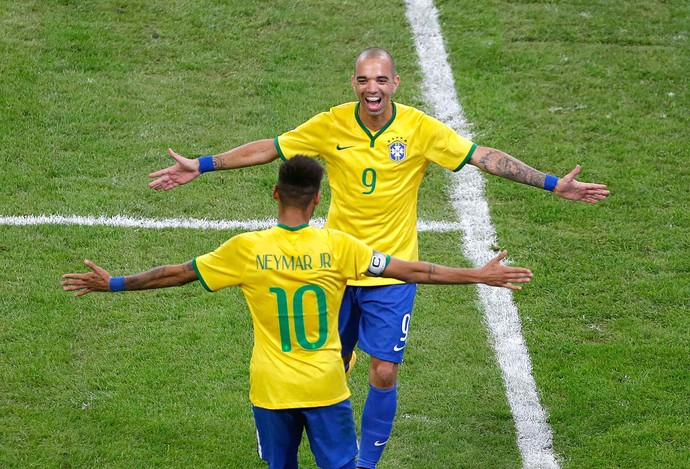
column 190, row 223
column 534, row 436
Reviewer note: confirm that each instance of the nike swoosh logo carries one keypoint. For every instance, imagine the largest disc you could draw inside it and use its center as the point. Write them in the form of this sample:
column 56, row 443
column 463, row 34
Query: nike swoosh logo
column 339, row 148
column 378, row 443
column 397, row 348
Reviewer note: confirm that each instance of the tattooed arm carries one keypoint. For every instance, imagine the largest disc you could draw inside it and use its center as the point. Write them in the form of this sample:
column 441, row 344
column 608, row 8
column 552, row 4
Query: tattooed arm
column 99, row 279
column 493, row 273
column 503, row 165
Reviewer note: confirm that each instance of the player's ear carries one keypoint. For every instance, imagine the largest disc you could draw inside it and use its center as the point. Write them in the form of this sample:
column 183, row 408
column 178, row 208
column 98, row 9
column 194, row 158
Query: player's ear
column 317, row 198
column 396, row 82
column 275, row 193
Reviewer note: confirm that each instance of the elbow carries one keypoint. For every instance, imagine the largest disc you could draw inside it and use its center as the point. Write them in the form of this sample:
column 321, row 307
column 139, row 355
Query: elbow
column 269, row 152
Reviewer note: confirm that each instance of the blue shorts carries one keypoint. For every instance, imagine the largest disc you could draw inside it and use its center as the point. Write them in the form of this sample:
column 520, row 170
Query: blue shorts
column 330, row 429
column 378, row 318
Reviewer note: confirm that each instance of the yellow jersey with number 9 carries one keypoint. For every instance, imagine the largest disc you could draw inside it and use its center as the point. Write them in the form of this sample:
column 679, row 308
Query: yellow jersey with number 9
column 375, row 177
column 293, row 280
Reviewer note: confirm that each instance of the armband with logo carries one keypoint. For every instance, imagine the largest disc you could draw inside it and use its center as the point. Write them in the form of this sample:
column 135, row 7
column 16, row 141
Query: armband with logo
column 378, row 264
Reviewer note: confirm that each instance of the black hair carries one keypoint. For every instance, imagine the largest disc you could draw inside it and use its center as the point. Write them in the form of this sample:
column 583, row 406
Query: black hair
column 299, row 180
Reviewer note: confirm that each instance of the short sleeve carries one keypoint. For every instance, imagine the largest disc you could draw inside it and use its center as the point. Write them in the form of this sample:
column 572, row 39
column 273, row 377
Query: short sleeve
column 304, row 139
column 221, row 268
column 354, row 256
column 444, row 146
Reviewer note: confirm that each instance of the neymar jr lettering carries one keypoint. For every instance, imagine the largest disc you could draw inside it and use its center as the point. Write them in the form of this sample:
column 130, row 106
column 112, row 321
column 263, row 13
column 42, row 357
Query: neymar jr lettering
column 281, row 262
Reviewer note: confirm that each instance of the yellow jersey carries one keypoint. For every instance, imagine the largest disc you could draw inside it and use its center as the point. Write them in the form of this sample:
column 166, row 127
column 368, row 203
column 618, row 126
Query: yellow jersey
column 293, row 280
column 375, row 177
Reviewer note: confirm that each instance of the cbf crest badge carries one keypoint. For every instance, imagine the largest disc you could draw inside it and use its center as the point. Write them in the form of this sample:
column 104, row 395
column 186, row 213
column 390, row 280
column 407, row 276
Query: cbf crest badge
column 397, row 149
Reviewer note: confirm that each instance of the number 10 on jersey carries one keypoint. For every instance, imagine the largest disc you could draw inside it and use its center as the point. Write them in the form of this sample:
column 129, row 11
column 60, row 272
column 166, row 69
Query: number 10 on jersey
column 298, row 319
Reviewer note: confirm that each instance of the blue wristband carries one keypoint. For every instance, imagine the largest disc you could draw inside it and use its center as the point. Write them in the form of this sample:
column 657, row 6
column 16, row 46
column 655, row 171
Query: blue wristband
column 206, row 164
column 116, row 284
column 550, row 182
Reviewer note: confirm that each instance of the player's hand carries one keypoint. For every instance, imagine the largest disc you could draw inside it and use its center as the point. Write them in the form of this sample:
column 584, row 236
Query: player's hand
column 183, row 171
column 498, row 275
column 569, row 188
column 96, row 280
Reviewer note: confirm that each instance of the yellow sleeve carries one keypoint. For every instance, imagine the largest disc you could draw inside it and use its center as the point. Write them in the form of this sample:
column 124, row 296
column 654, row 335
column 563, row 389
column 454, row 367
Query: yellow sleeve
column 444, row 146
column 354, row 256
column 306, row 139
column 221, row 268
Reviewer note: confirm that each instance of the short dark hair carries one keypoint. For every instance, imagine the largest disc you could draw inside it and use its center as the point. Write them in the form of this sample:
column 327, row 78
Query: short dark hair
column 299, row 180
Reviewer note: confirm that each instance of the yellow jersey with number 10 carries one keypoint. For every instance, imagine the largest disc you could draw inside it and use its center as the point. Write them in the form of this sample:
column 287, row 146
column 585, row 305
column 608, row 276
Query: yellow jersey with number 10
column 293, row 280
column 375, row 177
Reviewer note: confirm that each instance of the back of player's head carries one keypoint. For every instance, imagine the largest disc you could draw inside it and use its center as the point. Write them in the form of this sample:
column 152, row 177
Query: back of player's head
column 376, row 53
column 299, row 180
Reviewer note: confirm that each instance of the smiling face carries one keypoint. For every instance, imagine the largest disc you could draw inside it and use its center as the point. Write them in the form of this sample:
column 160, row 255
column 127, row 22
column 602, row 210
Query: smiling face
column 374, row 83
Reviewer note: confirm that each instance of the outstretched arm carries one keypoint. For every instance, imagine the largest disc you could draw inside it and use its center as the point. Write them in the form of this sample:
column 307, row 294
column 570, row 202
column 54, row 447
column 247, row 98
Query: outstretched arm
column 99, row 279
column 501, row 164
column 186, row 170
column 493, row 273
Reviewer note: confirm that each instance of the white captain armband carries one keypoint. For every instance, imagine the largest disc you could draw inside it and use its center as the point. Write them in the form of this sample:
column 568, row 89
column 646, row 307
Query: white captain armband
column 378, row 264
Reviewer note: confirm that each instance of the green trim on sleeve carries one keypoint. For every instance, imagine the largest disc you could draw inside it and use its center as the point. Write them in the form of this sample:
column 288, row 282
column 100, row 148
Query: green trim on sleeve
column 280, row 152
column 467, row 158
column 198, row 274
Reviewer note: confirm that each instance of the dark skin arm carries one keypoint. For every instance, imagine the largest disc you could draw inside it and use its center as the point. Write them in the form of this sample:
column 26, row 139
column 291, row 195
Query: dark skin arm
column 98, row 279
column 501, row 164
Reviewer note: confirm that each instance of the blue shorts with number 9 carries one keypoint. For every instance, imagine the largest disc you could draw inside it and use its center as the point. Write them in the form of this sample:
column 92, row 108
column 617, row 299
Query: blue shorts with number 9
column 378, row 318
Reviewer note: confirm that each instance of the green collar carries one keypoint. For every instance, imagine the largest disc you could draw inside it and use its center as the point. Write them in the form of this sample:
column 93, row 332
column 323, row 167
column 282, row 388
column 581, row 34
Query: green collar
column 293, row 228
column 381, row 130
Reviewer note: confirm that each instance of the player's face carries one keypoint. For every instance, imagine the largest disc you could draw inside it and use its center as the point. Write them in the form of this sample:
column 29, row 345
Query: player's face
column 374, row 85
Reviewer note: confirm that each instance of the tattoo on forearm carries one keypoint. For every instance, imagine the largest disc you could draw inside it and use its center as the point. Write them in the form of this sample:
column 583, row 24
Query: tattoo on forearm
column 142, row 280
column 501, row 164
column 431, row 270
column 218, row 163
column 162, row 276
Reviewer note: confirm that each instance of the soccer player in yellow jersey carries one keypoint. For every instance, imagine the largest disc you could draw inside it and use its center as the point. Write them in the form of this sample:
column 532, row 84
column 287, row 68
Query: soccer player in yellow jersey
column 293, row 277
column 376, row 152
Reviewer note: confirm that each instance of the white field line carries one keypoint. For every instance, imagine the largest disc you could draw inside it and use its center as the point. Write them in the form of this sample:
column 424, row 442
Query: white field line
column 534, row 436
column 191, row 223
column 533, row 432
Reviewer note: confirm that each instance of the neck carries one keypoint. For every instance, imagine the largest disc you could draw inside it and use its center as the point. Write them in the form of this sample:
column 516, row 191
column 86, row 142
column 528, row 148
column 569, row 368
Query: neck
column 376, row 122
column 292, row 216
